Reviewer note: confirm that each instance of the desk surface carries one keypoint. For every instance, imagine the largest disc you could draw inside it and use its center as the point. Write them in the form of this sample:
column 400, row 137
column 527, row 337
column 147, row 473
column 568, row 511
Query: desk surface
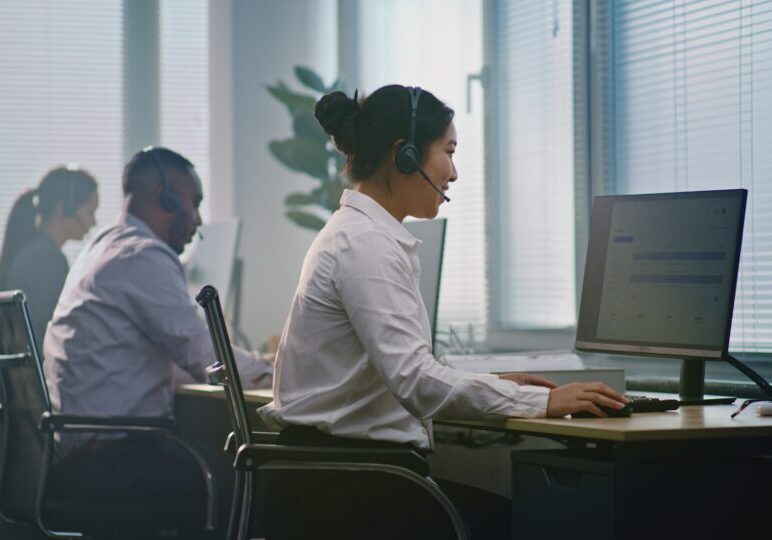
column 259, row 397
column 694, row 422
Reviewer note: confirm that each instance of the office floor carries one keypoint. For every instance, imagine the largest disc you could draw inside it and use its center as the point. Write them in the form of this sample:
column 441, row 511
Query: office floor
column 19, row 532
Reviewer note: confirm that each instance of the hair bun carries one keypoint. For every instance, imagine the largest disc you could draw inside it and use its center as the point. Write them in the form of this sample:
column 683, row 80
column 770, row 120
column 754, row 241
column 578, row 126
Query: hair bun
column 335, row 112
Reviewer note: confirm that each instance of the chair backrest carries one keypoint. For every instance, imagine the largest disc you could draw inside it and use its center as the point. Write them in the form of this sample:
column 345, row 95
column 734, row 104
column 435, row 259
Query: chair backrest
column 210, row 301
column 26, row 399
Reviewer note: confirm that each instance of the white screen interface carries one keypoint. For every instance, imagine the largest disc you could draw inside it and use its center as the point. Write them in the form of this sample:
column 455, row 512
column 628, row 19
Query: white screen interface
column 668, row 271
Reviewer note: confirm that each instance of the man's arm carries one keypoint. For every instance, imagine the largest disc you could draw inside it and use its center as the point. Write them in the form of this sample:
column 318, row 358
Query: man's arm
column 158, row 297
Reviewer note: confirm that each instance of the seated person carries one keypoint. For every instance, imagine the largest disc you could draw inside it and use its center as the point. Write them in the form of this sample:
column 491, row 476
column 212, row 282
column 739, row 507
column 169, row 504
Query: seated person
column 355, row 363
column 124, row 319
column 42, row 220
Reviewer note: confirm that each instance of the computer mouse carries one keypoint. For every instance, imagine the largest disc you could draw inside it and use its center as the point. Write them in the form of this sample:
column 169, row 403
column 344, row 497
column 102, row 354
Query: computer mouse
column 624, row 412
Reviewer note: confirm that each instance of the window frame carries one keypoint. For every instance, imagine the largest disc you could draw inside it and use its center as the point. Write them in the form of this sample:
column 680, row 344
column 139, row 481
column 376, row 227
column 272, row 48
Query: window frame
column 506, row 337
column 601, row 135
column 594, row 120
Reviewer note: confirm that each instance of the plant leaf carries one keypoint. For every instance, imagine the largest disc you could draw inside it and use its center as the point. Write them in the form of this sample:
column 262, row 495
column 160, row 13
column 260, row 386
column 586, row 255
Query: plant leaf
column 296, row 199
column 305, row 220
column 305, row 125
column 296, row 103
column 328, row 194
column 303, row 155
column 334, row 86
column 309, row 79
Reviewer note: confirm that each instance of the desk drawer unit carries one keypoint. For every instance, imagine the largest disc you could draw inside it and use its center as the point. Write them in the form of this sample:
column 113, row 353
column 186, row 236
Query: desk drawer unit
column 559, row 494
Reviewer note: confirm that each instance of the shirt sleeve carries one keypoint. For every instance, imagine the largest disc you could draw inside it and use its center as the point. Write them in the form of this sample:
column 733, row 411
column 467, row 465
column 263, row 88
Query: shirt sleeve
column 375, row 281
column 162, row 307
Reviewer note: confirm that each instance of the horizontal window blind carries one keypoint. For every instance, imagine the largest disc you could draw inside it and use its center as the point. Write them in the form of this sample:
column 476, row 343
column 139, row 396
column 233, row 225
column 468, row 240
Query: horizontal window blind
column 693, row 101
column 406, row 42
column 184, row 63
column 61, row 77
column 533, row 269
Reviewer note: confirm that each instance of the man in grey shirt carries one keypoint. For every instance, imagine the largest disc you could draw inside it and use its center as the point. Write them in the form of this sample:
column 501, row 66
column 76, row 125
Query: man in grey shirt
column 123, row 320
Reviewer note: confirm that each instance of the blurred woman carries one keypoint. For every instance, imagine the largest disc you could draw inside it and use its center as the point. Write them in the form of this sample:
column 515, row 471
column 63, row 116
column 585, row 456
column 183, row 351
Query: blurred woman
column 41, row 221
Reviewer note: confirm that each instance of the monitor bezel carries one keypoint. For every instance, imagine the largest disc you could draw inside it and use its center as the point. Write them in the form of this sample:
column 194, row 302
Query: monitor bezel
column 598, row 240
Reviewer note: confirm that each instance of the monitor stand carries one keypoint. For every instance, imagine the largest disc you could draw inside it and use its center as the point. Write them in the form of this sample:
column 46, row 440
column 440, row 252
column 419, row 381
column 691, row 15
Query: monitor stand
column 692, row 385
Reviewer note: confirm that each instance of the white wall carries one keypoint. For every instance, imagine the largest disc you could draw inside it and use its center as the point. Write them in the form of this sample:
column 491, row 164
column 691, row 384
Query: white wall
column 268, row 39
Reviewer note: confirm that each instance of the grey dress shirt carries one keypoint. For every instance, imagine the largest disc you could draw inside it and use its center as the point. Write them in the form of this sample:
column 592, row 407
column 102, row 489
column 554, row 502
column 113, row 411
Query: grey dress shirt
column 123, row 320
column 39, row 270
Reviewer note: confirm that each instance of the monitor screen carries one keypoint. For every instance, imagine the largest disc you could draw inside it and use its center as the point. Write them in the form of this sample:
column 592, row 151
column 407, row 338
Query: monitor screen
column 431, row 233
column 661, row 273
column 210, row 258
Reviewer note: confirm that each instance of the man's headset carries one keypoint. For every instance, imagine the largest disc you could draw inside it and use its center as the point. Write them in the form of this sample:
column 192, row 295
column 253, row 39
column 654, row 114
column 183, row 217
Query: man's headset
column 169, row 199
column 408, row 159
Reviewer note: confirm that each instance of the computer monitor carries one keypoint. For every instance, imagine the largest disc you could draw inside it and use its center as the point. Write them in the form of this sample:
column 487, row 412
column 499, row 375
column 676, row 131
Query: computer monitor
column 431, row 233
column 660, row 277
column 210, row 259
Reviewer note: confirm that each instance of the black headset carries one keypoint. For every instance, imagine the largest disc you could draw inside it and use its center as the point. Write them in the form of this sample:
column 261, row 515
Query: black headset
column 169, row 199
column 408, row 155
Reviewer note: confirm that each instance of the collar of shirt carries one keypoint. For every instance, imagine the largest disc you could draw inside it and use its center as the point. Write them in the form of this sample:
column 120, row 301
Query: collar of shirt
column 370, row 207
column 143, row 229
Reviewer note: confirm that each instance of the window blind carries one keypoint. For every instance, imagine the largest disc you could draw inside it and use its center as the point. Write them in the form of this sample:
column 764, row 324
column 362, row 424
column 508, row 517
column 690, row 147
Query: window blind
column 533, row 258
column 693, row 100
column 406, row 42
column 184, row 70
column 61, row 78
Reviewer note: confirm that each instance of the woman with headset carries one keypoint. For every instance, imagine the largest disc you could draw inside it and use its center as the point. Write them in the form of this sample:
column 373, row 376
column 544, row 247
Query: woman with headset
column 41, row 221
column 355, row 364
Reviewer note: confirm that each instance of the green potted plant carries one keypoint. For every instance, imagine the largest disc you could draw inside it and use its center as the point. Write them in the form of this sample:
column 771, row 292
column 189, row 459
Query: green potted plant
column 309, row 151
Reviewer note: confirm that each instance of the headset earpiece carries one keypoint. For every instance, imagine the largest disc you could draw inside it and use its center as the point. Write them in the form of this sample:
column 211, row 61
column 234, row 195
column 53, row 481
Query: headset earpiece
column 408, row 157
column 169, row 200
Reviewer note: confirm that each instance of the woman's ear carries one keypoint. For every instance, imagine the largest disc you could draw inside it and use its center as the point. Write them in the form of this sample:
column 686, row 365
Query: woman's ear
column 395, row 148
column 58, row 211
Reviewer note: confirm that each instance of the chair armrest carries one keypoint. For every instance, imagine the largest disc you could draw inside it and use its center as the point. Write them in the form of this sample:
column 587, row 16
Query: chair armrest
column 50, row 422
column 168, row 427
column 253, row 456
column 269, row 437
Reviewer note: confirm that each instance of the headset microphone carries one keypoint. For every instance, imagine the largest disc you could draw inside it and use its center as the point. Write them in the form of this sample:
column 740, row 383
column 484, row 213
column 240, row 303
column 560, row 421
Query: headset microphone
column 425, row 176
column 408, row 158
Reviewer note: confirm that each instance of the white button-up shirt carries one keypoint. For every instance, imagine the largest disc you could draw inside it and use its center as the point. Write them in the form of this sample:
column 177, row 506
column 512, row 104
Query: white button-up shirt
column 355, row 357
column 124, row 318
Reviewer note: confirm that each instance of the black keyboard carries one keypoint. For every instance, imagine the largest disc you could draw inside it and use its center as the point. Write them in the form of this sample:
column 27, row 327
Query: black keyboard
column 642, row 404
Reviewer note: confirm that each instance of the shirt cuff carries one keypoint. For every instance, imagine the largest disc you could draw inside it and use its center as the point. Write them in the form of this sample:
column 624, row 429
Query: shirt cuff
column 532, row 401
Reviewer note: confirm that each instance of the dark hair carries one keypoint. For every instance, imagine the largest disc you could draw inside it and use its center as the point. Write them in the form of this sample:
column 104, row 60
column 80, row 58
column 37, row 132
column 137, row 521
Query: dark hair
column 143, row 167
column 366, row 131
column 70, row 186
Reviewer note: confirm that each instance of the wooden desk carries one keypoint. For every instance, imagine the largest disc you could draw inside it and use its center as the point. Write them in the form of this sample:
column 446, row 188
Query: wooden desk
column 671, row 474
column 686, row 423
column 258, row 397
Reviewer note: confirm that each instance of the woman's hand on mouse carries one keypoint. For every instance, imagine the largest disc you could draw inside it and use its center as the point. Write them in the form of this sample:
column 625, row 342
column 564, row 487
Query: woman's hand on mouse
column 575, row 397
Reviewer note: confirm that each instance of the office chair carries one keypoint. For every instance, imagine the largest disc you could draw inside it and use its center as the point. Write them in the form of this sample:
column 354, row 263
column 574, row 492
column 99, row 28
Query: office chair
column 29, row 426
column 260, row 450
